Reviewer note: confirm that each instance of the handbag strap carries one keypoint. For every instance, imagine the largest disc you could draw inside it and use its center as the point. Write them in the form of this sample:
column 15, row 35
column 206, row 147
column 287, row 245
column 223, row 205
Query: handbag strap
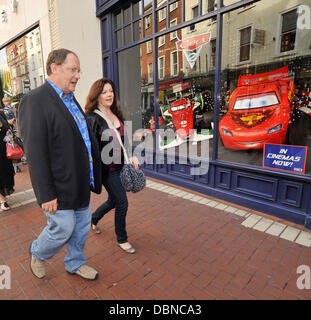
column 111, row 126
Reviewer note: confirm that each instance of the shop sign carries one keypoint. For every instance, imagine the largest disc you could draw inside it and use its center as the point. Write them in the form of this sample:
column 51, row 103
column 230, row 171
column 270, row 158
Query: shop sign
column 285, row 157
column 192, row 47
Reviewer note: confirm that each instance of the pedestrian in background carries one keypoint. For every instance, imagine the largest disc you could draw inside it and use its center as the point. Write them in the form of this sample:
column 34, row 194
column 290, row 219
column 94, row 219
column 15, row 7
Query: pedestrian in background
column 64, row 164
column 102, row 96
column 10, row 116
column 6, row 167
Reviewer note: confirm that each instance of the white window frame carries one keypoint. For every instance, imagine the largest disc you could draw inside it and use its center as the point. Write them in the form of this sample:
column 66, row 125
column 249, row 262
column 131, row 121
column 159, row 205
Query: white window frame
column 173, row 6
column 238, row 62
column 161, row 41
column 149, row 46
column 150, row 72
column 278, row 36
column 162, row 14
column 159, row 68
column 173, row 35
column 172, row 65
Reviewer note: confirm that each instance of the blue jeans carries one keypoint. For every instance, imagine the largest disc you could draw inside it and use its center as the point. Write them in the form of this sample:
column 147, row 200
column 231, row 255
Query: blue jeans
column 65, row 227
column 116, row 199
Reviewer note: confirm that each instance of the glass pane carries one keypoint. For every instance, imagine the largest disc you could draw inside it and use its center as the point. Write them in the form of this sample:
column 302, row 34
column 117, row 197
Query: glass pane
column 137, row 30
column 136, row 92
column 161, row 18
column 228, row 2
column 128, row 35
column 191, row 9
column 137, row 9
column 118, row 20
column 119, row 39
column 126, row 15
column 148, row 25
column 148, row 6
column 265, row 92
column 186, row 90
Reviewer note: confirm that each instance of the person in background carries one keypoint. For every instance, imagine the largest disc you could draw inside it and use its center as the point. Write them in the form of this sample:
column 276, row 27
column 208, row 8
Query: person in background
column 10, row 116
column 102, row 96
column 64, row 164
column 6, row 167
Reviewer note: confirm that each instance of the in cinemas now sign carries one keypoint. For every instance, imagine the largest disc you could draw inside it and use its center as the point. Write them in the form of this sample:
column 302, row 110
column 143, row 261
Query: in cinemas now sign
column 284, row 157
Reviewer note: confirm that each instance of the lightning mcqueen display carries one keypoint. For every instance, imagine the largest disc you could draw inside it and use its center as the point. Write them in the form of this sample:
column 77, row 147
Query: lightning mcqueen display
column 260, row 110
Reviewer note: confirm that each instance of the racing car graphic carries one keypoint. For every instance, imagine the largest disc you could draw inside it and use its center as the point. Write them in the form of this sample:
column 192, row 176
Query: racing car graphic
column 259, row 112
column 182, row 116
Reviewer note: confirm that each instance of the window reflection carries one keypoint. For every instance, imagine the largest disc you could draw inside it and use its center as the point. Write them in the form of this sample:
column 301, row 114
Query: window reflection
column 265, row 83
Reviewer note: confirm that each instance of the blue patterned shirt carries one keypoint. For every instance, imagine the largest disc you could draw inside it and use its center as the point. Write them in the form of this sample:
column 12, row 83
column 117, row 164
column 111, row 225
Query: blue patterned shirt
column 80, row 121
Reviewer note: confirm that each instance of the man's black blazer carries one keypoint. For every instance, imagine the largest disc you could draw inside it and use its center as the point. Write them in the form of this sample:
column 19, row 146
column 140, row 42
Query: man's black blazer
column 56, row 152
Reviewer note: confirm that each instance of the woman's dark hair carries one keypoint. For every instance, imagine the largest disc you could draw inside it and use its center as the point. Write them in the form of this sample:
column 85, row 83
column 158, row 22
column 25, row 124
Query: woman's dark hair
column 58, row 57
column 95, row 91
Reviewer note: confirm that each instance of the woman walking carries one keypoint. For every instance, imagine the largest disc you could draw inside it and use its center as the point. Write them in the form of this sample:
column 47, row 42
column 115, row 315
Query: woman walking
column 102, row 96
column 6, row 167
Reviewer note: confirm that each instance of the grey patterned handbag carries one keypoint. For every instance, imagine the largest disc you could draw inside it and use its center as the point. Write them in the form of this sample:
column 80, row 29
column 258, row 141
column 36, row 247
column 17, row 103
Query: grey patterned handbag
column 132, row 180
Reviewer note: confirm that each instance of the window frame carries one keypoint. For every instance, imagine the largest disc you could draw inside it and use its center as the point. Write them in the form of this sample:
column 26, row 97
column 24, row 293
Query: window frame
column 172, row 65
column 159, row 67
column 238, row 58
column 278, row 52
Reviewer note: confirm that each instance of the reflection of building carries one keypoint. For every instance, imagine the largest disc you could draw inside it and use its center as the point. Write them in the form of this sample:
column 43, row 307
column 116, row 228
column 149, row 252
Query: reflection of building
column 50, row 24
column 170, row 63
column 257, row 45
column 34, row 56
column 257, row 36
column 18, row 64
column 206, row 60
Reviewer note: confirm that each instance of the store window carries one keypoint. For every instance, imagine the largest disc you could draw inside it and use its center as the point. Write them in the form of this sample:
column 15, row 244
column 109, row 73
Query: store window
column 185, row 94
column 265, row 107
column 19, row 66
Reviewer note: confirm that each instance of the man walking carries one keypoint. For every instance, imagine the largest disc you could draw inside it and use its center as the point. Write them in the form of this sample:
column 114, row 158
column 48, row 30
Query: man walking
column 64, row 164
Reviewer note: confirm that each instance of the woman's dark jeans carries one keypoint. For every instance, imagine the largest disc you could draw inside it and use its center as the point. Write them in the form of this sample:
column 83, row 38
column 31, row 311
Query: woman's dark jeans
column 116, row 199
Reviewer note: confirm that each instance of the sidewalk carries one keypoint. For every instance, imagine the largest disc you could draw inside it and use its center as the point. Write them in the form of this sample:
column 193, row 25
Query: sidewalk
column 188, row 247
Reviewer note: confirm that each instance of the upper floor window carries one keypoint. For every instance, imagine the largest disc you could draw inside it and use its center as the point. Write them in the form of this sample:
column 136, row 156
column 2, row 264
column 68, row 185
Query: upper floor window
column 288, row 30
column 162, row 14
column 149, row 46
column 173, row 35
column 194, row 14
column 161, row 67
column 173, row 6
column 245, row 44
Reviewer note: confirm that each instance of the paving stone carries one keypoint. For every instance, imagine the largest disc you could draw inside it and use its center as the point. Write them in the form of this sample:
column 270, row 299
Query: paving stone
column 251, row 221
column 290, row 233
column 304, row 239
column 276, row 228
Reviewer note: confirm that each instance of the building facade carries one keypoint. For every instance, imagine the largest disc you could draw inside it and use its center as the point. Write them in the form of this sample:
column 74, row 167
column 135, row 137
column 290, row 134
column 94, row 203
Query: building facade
column 230, row 118
column 218, row 91
column 42, row 26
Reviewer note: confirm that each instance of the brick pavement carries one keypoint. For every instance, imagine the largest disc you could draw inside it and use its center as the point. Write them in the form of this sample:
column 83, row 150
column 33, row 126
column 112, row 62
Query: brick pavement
column 185, row 251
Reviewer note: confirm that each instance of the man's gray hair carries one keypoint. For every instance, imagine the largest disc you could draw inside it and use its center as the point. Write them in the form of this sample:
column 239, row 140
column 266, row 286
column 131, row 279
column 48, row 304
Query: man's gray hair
column 58, row 57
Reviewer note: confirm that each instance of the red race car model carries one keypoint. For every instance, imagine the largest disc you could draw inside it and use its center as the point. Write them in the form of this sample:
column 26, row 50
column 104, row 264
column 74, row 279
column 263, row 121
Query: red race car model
column 260, row 110
column 182, row 114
